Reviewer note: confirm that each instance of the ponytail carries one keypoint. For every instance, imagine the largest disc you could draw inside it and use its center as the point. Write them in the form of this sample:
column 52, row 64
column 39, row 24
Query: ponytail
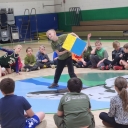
column 124, row 96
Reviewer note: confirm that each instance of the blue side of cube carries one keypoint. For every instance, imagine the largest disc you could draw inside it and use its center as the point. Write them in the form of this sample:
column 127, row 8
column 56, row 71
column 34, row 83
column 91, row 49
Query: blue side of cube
column 78, row 47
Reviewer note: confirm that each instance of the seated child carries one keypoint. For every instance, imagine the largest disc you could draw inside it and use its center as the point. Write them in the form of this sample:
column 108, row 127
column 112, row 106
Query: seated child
column 10, row 58
column 42, row 58
column 76, row 58
column 12, row 108
column 55, row 58
column 98, row 55
column 74, row 108
column 85, row 61
column 30, row 61
column 116, row 57
column 124, row 60
column 117, row 116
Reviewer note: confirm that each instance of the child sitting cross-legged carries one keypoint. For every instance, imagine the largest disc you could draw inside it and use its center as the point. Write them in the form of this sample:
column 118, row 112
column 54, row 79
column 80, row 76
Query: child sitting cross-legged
column 74, row 109
column 117, row 54
column 15, row 111
column 30, row 61
column 98, row 55
column 42, row 58
column 85, row 59
column 117, row 117
column 124, row 60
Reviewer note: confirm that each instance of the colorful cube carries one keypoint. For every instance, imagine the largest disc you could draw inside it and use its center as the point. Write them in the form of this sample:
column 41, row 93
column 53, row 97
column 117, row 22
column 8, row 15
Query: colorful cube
column 74, row 45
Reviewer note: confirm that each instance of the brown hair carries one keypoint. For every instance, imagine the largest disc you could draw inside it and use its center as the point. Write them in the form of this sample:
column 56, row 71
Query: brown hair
column 116, row 43
column 125, row 46
column 97, row 42
column 121, row 84
column 74, row 85
column 50, row 30
column 29, row 48
column 7, row 85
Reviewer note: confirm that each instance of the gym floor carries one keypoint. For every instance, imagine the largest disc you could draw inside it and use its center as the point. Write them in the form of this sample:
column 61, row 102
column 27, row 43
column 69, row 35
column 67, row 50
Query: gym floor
column 45, row 72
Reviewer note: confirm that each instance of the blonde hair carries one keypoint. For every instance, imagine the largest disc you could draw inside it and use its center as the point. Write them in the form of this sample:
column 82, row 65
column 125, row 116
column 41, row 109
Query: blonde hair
column 116, row 43
column 125, row 46
column 98, row 42
column 17, row 46
column 121, row 84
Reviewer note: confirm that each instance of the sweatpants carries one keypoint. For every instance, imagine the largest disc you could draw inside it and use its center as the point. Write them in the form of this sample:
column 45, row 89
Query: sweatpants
column 60, row 66
column 110, row 120
column 42, row 64
column 31, row 68
column 114, row 62
column 94, row 60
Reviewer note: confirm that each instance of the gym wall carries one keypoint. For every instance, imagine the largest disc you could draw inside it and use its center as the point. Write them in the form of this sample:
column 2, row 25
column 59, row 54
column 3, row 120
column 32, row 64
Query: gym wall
column 92, row 10
column 46, row 16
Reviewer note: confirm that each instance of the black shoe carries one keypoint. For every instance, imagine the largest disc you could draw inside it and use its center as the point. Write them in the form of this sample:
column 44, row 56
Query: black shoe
column 53, row 85
column 77, row 65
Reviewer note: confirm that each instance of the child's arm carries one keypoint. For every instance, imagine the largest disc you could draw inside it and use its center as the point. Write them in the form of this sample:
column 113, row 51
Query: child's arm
column 74, row 34
column 17, row 66
column 61, row 53
column 30, row 113
column 7, row 50
column 93, row 51
column 26, row 61
column 88, row 39
column 60, row 113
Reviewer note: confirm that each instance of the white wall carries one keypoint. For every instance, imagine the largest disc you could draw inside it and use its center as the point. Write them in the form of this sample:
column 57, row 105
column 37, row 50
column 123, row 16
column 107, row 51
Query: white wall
column 20, row 5
column 90, row 4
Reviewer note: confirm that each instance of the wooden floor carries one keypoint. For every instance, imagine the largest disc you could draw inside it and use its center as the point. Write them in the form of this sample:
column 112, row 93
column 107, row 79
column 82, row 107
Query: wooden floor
column 46, row 72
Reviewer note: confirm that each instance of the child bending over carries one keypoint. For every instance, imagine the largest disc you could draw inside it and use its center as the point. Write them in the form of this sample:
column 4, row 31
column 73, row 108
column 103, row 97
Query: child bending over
column 117, row 116
column 12, row 108
column 10, row 58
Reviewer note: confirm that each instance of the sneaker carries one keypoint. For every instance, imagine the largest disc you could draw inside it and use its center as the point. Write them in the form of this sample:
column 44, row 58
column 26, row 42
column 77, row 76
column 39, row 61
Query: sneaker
column 52, row 66
column 106, row 124
column 38, row 68
column 102, row 68
column 118, row 67
column 77, row 65
column 45, row 66
column 27, row 70
column 107, row 67
column 42, row 124
column 53, row 85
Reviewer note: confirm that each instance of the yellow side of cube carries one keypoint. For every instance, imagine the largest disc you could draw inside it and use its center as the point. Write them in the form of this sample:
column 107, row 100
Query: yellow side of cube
column 69, row 42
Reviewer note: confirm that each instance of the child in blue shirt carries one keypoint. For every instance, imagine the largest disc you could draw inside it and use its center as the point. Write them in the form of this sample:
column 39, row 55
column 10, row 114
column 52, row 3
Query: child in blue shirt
column 12, row 108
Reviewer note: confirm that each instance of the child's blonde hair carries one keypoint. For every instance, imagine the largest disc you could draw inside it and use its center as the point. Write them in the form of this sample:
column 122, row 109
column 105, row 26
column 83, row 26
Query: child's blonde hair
column 17, row 46
column 116, row 44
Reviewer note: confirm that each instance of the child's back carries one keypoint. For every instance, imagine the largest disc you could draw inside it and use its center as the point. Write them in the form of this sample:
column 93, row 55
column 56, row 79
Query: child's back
column 12, row 111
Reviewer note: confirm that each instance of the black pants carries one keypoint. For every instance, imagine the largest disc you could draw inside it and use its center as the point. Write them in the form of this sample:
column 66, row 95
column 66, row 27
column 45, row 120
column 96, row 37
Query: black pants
column 42, row 64
column 116, row 61
column 110, row 120
column 31, row 68
column 60, row 66
column 88, row 63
